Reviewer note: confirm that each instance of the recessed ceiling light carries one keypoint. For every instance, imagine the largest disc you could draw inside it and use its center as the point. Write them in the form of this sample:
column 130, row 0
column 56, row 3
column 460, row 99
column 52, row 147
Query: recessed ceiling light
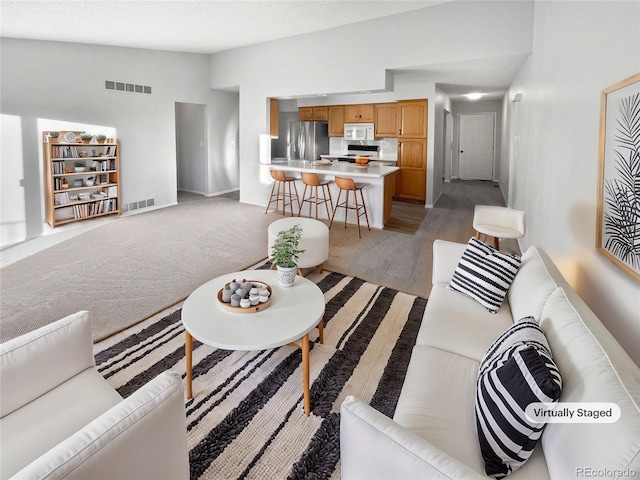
column 474, row 96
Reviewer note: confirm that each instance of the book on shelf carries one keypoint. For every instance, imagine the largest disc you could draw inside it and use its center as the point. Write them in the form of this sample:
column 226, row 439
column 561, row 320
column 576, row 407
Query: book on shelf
column 61, row 198
column 64, row 152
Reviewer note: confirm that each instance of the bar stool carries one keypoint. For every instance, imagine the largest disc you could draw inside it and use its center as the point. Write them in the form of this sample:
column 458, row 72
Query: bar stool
column 349, row 185
column 312, row 180
column 498, row 222
column 279, row 191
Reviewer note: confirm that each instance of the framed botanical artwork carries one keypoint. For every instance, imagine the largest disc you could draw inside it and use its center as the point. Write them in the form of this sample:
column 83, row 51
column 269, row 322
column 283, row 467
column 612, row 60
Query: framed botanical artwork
column 618, row 222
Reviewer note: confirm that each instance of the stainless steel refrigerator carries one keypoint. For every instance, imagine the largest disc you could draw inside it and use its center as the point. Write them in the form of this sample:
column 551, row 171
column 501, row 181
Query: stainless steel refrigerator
column 308, row 140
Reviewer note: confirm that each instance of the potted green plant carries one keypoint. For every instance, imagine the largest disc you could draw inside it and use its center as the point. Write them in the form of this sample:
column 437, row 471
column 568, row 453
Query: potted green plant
column 79, row 166
column 101, row 138
column 284, row 254
column 86, row 137
column 53, row 137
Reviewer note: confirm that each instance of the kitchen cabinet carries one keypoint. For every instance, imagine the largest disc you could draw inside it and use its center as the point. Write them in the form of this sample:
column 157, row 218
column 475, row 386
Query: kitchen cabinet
column 413, row 119
column 313, row 114
column 336, row 121
column 273, row 118
column 359, row 113
column 412, row 177
column 386, row 120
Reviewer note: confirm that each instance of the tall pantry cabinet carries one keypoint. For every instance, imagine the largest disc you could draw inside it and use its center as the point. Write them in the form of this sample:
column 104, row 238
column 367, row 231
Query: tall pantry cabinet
column 82, row 180
column 412, row 150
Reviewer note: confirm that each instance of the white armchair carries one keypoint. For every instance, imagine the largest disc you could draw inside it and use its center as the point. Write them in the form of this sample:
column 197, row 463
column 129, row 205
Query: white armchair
column 59, row 418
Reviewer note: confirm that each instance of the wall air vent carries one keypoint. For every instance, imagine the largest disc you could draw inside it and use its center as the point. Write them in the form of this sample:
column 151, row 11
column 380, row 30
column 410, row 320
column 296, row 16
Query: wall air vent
column 126, row 87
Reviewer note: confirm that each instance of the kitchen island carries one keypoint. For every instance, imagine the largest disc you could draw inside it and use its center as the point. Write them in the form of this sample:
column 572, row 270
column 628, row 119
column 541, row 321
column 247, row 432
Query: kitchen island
column 379, row 178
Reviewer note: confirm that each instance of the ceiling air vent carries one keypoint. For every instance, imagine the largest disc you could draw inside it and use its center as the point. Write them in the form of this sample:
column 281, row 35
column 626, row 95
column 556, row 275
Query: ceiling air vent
column 126, row 87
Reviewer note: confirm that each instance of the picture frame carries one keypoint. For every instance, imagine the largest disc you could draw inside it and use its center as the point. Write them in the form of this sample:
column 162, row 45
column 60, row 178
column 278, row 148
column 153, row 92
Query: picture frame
column 618, row 213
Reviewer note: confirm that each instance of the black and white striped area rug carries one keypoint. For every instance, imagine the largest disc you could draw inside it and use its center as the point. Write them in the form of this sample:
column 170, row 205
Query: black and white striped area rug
column 246, row 419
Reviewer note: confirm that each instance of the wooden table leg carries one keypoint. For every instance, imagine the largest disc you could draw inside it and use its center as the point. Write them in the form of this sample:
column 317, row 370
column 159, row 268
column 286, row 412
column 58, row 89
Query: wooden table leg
column 321, row 330
column 189, row 359
column 305, row 374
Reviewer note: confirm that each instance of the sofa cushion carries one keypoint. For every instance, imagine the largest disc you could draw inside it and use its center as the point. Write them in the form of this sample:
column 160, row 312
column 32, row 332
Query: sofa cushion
column 518, row 370
column 533, row 284
column 47, row 356
column 485, row 274
column 34, row 429
column 594, row 368
column 457, row 324
column 436, row 403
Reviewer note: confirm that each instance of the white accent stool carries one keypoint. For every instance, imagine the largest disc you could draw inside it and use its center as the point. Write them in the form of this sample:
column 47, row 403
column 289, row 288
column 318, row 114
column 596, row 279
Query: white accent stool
column 314, row 241
column 498, row 222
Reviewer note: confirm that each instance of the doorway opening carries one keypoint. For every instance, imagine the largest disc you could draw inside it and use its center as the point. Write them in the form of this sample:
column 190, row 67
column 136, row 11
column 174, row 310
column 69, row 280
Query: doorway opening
column 191, row 147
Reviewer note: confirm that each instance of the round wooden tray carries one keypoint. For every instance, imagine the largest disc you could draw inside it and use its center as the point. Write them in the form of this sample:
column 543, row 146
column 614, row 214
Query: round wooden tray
column 253, row 308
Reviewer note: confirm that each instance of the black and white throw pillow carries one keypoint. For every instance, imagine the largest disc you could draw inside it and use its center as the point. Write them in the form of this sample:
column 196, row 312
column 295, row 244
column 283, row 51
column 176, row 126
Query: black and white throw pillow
column 516, row 371
column 485, row 274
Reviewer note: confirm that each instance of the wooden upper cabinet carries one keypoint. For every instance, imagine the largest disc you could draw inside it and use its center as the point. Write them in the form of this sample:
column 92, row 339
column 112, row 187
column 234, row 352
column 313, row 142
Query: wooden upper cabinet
column 386, row 119
column 273, row 117
column 413, row 119
column 336, row 121
column 359, row 113
column 311, row 114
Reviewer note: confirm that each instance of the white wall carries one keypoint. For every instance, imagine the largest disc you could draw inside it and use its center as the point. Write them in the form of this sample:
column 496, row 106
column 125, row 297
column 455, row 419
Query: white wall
column 224, row 165
column 579, row 49
column 358, row 58
column 65, row 81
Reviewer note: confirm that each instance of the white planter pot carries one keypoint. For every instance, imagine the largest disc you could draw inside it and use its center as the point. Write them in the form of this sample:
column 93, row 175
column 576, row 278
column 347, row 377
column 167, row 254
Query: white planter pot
column 286, row 275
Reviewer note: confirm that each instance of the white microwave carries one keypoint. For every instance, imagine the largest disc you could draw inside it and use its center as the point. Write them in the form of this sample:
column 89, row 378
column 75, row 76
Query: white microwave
column 359, row 131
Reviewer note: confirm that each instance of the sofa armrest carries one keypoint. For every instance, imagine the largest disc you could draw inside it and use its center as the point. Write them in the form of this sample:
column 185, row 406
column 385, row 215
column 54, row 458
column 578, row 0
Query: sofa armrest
column 373, row 446
column 40, row 360
column 446, row 256
column 143, row 437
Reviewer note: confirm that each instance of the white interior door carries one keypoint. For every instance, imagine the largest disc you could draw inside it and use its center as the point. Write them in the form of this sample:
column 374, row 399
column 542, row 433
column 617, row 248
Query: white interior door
column 477, row 133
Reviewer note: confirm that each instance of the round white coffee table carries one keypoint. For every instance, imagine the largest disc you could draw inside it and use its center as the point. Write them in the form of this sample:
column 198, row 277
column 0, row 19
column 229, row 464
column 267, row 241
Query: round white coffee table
column 291, row 315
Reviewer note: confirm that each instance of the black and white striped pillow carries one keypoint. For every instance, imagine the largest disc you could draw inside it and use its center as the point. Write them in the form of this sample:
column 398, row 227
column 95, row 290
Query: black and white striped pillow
column 516, row 371
column 485, row 274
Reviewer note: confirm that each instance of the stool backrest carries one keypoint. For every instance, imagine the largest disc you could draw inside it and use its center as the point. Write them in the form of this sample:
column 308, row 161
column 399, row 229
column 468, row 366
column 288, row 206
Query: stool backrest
column 278, row 175
column 310, row 179
column 345, row 183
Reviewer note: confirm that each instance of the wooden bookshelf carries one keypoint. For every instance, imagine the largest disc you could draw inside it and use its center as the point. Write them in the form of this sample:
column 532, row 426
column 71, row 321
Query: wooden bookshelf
column 80, row 186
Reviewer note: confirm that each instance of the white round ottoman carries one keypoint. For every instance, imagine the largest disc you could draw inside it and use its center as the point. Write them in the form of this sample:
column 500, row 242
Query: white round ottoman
column 314, row 240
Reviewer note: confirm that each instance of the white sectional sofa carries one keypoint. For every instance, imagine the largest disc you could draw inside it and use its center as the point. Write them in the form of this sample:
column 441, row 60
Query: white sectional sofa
column 61, row 419
column 433, row 432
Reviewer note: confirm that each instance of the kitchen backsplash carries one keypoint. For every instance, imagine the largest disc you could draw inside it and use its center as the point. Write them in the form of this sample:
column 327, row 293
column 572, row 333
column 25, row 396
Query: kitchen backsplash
column 388, row 147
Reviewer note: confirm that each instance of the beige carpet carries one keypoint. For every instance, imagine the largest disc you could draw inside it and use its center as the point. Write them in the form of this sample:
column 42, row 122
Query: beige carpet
column 129, row 269
column 126, row 271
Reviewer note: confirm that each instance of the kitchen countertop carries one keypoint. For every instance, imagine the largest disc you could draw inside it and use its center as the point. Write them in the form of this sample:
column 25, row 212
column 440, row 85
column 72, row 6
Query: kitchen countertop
column 375, row 169
column 373, row 159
